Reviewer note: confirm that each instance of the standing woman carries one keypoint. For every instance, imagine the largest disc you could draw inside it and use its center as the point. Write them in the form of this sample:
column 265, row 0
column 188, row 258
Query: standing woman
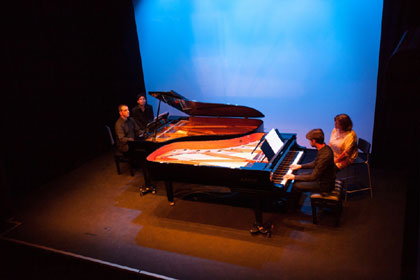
column 343, row 141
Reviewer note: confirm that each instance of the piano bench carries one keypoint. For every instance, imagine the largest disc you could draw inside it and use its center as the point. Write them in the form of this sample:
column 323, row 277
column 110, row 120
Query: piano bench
column 331, row 200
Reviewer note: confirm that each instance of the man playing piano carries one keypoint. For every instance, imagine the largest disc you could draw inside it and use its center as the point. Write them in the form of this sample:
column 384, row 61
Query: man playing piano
column 125, row 129
column 322, row 178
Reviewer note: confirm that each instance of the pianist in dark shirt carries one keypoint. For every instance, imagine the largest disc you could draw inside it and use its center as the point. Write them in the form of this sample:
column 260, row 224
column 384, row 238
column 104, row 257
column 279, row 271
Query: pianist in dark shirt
column 142, row 113
column 322, row 177
column 125, row 129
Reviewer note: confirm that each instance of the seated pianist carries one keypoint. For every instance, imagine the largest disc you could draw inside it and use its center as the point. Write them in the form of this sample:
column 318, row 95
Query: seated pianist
column 322, row 177
column 126, row 129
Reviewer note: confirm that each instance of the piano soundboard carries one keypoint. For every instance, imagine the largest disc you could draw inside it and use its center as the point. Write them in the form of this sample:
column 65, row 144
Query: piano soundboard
column 238, row 155
column 203, row 126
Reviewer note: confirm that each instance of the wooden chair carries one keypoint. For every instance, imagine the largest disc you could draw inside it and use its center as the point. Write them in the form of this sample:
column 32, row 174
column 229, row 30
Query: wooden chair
column 364, row 147
column 119, row 156
column 331, row 200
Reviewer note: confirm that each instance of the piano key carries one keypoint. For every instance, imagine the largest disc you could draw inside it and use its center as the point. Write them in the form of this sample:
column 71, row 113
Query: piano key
column 299, row 155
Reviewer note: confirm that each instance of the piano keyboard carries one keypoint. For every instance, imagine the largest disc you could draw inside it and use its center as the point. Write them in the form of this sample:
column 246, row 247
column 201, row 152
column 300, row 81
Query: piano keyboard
column 292, row 157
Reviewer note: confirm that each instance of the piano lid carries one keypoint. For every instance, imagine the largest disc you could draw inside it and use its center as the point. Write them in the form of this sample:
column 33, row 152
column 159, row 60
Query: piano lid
column 194, row 108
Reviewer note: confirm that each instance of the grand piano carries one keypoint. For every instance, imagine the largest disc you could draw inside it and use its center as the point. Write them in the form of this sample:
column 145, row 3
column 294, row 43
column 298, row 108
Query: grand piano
column 244, row 164
column 204, row 121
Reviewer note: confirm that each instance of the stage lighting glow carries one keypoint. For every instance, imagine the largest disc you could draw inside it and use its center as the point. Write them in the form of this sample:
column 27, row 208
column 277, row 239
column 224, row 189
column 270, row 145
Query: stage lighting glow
column 300, row 62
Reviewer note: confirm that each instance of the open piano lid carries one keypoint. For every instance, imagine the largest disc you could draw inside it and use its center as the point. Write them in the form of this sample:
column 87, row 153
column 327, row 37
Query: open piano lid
column 194, row 108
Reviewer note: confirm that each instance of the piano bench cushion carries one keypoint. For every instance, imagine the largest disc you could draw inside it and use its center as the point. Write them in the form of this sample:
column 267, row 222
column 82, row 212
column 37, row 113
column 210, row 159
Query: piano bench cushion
column 332, row 197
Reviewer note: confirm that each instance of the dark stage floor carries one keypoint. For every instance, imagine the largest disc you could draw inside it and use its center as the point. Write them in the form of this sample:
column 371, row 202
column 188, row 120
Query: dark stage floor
column 94, row 213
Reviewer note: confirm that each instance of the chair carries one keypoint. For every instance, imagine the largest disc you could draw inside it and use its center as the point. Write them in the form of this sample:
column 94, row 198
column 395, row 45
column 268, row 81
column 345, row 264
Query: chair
column 119, row 156
column 364, row 147
column 331, row 200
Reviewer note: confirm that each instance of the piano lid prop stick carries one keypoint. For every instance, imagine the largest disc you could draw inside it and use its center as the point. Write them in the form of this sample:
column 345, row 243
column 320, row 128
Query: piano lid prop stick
column 157, row 114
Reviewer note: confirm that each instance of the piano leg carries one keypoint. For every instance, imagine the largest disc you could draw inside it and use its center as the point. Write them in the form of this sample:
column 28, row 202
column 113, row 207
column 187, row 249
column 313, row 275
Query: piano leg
column 259, row 226
column 146, row 175
column 258, row 211
column 170, row 192
column 148, row 186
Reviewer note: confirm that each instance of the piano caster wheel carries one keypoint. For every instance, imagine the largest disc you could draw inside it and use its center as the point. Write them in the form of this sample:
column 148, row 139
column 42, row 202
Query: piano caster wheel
column 144, row 190
column 171, row 203
column 265, row 229
column 153, row 188
column 254, row 230
column 268, row 233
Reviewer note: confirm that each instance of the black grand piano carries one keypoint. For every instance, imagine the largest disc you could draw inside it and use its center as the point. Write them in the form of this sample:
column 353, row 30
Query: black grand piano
column 243, row 164
column 204, row 121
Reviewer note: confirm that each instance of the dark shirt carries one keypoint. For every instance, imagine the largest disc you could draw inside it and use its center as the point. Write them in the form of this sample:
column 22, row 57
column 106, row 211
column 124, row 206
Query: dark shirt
column 125, row 129
column 142, row 118
column 323, row 169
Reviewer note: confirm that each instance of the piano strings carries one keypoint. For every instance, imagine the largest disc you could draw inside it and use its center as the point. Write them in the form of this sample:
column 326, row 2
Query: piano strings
column 188, row 128
column 235, row 156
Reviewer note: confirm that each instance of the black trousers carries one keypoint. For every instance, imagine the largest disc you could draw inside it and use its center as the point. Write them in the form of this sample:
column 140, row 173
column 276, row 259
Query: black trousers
column 298, row 188
column 306, row 186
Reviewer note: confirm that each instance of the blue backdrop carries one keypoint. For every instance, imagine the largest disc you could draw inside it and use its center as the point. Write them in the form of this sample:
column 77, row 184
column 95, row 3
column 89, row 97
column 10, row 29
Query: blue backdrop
column 300, row 62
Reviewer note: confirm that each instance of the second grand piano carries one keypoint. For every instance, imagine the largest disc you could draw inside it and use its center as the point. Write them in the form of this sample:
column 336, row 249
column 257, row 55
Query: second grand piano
column 239, row 163
column 204, row 121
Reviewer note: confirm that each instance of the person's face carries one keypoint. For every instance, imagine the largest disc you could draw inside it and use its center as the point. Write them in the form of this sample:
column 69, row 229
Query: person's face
column 141, row 101
column 125, row 113
column 337, row 125
column 312, row 143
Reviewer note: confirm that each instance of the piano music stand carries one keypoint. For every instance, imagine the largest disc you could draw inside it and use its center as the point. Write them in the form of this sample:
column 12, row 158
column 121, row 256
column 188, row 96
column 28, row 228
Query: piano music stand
column 267, row 146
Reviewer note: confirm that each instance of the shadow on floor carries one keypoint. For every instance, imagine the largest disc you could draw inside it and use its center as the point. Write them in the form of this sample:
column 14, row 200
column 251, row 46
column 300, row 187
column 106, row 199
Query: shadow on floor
column 96, row 213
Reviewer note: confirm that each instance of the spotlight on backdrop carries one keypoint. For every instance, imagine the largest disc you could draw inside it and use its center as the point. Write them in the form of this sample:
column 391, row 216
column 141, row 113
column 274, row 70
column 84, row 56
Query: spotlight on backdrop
column 299, row 62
